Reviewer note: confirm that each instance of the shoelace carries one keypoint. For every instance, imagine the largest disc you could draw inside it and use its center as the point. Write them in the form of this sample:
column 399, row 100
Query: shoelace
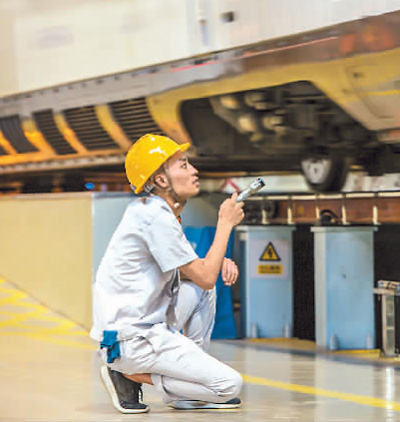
column 138, row 392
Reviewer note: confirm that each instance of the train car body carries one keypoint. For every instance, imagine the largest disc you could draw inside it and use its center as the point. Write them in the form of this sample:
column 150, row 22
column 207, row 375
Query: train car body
column 254, row 85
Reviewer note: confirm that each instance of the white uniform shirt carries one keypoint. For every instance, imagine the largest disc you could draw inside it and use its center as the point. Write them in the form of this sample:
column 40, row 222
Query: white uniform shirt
column 137, row 280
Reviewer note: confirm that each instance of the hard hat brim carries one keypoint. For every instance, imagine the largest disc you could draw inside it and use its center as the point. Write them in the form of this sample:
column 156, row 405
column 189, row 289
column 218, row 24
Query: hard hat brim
column 184, row 147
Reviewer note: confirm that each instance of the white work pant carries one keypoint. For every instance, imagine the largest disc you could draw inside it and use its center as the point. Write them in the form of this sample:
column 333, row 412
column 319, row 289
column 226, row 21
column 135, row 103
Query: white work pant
column 179, row 365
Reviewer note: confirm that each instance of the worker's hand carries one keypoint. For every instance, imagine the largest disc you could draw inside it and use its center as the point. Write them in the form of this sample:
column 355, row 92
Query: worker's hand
column 231, row 211
column 229, row 272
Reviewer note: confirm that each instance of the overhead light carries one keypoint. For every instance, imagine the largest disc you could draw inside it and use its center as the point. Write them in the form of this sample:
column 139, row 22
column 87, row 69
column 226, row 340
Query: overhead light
column 229, row 101
column 247, row 123
column 257, row 100
column 271, row 121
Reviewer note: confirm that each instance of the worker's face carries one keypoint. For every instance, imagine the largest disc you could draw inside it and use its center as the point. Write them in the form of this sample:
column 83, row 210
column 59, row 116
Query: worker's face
column 184, row 176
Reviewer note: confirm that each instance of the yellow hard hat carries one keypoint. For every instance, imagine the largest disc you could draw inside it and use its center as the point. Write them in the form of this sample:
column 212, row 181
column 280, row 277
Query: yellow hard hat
column 147, row 155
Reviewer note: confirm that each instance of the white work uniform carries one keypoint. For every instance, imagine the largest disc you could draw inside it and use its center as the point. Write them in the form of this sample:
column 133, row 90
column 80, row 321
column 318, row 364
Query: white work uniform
column 138, row 293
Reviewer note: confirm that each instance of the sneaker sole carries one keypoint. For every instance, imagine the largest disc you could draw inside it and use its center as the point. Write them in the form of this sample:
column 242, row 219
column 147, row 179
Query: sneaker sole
column 108, row 384
column 198, row 405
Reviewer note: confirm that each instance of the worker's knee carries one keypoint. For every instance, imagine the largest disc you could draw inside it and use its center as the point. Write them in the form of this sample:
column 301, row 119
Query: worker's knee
column 231, row 386
column 237, row 382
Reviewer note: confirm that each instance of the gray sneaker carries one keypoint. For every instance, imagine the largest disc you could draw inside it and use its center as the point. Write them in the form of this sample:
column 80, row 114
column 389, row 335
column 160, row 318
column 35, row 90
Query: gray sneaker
column 198, row 404
column 125, row 394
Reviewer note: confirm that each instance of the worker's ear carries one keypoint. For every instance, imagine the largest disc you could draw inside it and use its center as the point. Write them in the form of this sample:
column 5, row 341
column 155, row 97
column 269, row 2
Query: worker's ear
column 160, row 179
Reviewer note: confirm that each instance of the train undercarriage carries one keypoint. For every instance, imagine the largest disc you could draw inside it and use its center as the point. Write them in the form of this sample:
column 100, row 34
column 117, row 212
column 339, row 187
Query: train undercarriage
column 321, row 103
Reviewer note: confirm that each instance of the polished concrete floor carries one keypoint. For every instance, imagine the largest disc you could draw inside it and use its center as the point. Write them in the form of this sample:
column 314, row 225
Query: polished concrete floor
column 49, row 372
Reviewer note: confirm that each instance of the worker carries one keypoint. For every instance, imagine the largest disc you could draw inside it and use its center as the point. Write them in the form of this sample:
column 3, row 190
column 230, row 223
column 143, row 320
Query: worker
column 154, row 298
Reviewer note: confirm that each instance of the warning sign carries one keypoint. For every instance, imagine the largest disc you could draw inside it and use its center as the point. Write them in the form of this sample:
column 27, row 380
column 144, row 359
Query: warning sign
column 270, row 254
column 270, row 269
column 269, row 258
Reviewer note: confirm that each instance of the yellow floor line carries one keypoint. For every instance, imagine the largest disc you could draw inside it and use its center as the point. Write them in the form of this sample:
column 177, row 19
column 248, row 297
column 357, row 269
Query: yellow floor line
column 62, row 342
column 354, row 398
column 38, row 331
column 28, row 322
column 355, row 352
column 15, row 297
column 64, row 326
column 16, row 319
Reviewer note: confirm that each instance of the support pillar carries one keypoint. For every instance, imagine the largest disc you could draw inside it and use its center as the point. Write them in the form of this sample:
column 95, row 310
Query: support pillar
column 344, row 287
column 266, row 280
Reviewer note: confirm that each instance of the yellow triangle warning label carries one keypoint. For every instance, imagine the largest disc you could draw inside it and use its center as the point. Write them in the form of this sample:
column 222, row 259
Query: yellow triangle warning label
column 270, row 254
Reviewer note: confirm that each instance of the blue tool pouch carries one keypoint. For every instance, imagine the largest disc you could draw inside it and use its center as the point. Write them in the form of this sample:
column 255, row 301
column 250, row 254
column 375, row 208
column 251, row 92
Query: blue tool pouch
column 111, row 343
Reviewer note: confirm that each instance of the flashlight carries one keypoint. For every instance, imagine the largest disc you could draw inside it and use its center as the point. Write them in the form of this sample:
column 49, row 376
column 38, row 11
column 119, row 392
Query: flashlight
column 254, row 187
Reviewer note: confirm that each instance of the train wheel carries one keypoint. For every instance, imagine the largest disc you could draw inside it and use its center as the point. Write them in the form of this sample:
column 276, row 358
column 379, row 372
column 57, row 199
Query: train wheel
column 325, row 172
